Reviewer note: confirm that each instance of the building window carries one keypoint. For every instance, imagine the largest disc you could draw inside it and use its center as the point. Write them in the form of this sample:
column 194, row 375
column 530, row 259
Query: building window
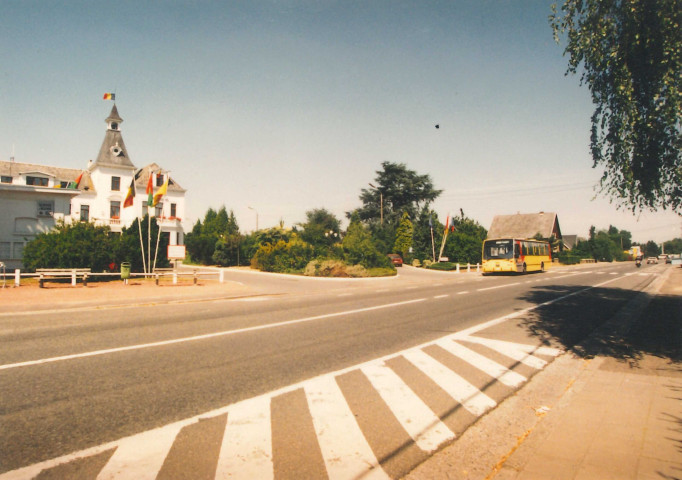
column 174, row 212
column 5, row 179
column 45, row 208
column 158, row 210
column 5, row 248
column 85, row 213
column 63, row 184
column 159, row 179
column 115, row 184
column 36, row 181
column 115, row 209
column 18, row 250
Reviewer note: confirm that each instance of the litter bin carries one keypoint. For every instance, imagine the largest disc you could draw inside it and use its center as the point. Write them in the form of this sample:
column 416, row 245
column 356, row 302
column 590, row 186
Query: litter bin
column 125, row 270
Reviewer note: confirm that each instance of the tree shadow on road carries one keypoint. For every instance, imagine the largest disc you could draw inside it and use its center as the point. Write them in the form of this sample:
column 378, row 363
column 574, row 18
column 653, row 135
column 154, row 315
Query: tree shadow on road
column 622, row 324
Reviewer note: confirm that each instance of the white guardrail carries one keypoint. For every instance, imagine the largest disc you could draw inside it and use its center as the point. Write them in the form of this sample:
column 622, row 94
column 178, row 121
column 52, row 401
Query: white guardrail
column 175, row 275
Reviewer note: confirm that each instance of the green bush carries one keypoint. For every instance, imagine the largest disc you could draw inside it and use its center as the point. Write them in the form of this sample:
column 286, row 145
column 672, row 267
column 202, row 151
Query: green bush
column 283, row 257
column 443, row 266
column 334, row 268
column 73, row 245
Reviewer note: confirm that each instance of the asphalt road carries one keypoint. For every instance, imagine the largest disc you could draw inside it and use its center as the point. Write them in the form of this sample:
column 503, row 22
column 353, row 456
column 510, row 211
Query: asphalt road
column 81, row 378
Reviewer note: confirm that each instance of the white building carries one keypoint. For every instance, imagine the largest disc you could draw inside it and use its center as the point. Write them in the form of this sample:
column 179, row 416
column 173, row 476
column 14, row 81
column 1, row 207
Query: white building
column 34, row 197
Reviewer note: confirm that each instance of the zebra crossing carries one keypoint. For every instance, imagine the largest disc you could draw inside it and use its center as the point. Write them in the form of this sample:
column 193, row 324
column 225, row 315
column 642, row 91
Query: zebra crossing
column 375, row 420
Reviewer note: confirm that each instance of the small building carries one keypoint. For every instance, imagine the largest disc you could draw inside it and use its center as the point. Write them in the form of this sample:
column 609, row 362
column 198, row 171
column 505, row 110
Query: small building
column 35, row 197
column 526, row 225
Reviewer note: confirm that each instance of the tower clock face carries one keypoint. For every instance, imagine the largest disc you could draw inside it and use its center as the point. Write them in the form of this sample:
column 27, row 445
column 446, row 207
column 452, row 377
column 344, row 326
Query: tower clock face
column 116, row 150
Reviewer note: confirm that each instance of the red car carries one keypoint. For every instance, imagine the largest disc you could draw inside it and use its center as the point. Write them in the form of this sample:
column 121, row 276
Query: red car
column 396, row 260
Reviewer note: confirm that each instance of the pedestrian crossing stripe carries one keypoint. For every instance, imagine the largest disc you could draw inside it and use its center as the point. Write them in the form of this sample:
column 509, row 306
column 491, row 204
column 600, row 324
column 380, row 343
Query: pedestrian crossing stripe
column 246, row 450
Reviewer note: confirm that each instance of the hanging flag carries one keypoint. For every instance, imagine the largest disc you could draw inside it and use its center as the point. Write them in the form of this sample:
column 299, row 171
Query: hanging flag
column 447, row 223
column 109, row 96
column 161, row 191
column 150, row 189
column 76, row 184
column 128, row 202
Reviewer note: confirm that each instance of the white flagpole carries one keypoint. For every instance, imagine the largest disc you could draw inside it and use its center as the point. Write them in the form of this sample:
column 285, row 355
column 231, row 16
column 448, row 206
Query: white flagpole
column 149, row 225
column 139, row 227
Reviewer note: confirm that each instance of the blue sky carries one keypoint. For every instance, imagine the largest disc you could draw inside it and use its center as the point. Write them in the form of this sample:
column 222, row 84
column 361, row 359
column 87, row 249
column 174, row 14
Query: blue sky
column 286, row 106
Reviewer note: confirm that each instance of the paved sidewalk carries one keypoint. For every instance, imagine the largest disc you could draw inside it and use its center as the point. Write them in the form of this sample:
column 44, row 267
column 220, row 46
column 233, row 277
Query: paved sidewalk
column 617, row 415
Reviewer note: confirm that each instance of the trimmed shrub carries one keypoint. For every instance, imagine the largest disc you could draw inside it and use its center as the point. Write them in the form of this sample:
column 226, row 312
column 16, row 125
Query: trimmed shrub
column 443, row 266
column 283, row 257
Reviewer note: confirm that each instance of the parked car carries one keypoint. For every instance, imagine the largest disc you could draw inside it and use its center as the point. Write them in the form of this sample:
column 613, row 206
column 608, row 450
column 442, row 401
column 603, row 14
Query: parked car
column 652, row 260
column 396, row 259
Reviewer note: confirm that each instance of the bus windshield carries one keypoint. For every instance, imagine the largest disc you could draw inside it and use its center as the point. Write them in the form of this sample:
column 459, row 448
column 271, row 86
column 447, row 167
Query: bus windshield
column 498, row 249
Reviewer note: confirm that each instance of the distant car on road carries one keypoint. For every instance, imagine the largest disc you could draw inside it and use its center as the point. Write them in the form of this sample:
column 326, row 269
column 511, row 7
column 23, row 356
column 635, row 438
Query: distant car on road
column 652, row 260
column 396, row 260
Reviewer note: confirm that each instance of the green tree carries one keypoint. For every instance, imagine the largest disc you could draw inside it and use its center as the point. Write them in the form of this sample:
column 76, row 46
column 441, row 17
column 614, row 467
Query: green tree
column 422, row 245
column 321, row 230
column 403, row 237
column 622, row 238
column 673, row 246
column 227, row 251
column 465, row 244
column 651, row 249
column 397, row 189
column 202, row 241
column 359, row 249
column 129, row 249
column 631, row 57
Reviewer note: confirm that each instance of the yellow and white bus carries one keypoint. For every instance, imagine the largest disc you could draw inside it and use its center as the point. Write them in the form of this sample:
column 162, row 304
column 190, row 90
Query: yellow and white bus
column 516, row 255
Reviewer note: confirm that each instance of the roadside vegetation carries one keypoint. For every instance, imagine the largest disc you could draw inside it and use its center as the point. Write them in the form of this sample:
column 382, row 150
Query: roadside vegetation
column 395, row 216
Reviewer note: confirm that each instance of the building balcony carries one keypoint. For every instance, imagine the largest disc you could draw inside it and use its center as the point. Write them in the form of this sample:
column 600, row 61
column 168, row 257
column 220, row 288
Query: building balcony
column 169, row 222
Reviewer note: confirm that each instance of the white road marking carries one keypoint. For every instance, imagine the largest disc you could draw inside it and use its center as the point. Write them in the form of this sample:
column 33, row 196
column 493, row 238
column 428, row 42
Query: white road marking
column 414, row 415
column 141, row 456
column 441, row 296
column 246, row 451
column 205, row 336
column 498, row 286
column 345, row 451
column 463, row 292
column 515, row 351
column 465, row 393
column 494, row 369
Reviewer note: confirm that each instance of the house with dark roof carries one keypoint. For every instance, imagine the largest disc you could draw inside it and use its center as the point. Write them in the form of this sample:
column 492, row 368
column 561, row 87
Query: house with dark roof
column 34, row 197
column 525, row 225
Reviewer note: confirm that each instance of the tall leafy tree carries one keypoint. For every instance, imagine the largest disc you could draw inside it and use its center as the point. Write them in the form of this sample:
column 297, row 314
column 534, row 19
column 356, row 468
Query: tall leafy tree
column 397, row 189
column 631, row 57
column 464, row 245
column 217, row 227
column 321, row 230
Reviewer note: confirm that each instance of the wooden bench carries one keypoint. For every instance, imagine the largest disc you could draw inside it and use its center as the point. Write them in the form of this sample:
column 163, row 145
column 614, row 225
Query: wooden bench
column 59, row 273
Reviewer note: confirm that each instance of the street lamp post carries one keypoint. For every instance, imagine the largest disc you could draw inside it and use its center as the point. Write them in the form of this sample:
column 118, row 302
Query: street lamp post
column 381, row 203
column 251, row 208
